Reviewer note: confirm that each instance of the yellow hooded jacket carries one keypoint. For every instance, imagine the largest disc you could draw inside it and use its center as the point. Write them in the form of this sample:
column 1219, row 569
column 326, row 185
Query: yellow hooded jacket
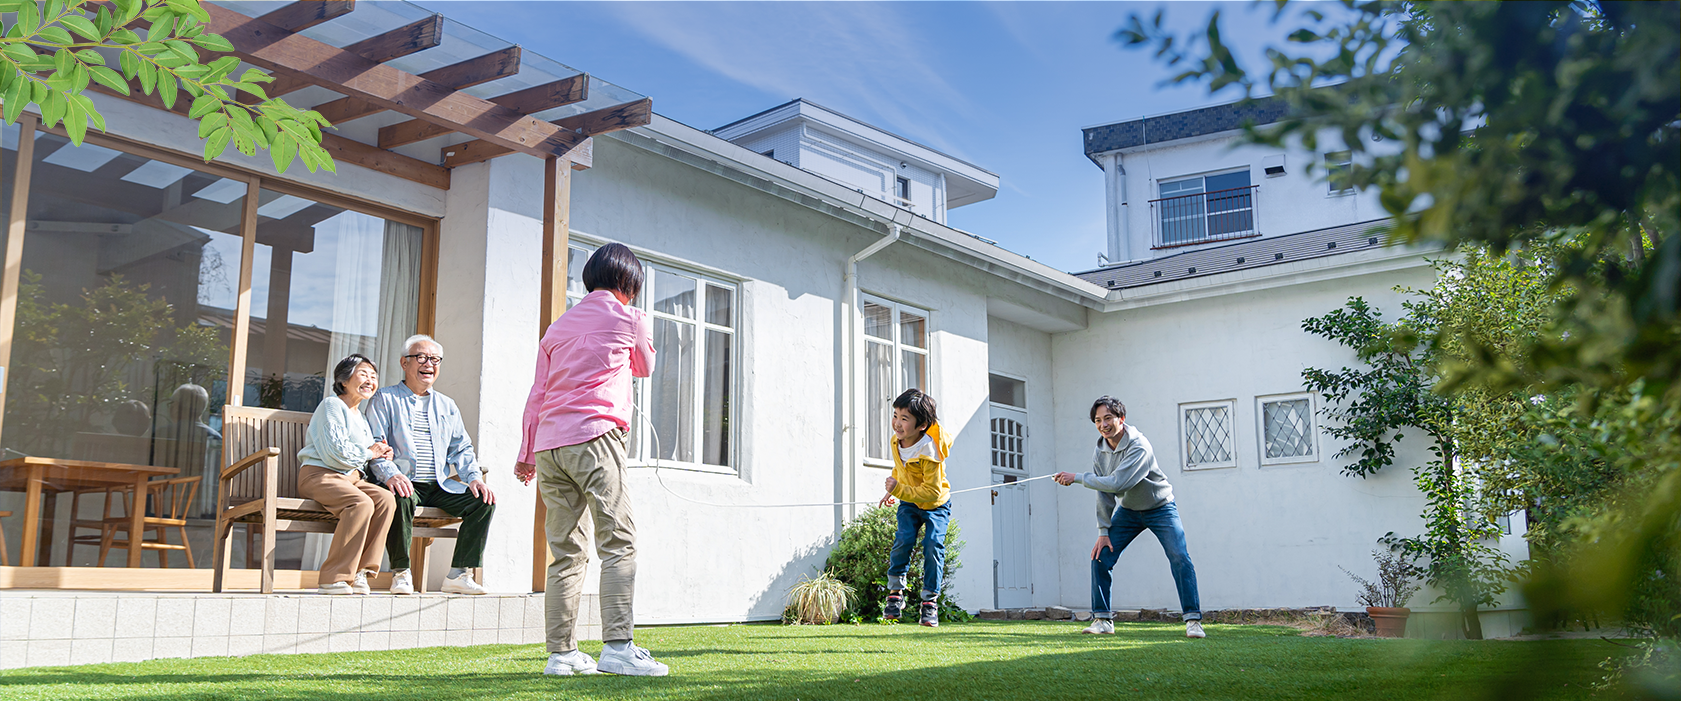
column 922, row 481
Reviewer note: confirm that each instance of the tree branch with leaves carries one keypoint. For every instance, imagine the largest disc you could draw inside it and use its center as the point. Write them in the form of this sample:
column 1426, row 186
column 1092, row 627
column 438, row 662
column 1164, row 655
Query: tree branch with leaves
column 50, row 54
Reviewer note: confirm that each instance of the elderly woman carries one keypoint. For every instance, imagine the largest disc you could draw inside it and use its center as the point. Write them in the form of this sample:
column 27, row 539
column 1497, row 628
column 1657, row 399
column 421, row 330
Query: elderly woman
column 336, row 450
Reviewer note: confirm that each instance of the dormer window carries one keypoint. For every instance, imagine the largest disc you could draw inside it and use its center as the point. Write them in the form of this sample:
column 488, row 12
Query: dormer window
column 1204, row 208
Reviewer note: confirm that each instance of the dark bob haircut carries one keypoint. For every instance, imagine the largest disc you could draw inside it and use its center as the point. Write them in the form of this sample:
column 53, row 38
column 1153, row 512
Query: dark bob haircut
column 1114, row 405
column 920, row 406
column 614, row 267
column 346, row 369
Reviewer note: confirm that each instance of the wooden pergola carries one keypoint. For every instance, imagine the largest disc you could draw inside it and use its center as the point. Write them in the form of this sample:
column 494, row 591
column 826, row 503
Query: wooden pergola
column 436, row 105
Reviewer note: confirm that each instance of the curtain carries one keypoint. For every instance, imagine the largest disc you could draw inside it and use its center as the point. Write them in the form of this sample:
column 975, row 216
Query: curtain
column 355, row 288
column 399, row 297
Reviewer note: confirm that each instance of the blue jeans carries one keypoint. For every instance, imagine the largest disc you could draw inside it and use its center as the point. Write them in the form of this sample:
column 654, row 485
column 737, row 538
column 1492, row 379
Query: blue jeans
column 933, row 525
column 1125, row 525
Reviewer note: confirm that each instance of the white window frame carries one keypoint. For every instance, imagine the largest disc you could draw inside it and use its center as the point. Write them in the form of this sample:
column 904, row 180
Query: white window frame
column 642, row 443
column 1185, row 436
column 1261, row 428
column 1010, row 376
column 1345, row 160
column 899, row 348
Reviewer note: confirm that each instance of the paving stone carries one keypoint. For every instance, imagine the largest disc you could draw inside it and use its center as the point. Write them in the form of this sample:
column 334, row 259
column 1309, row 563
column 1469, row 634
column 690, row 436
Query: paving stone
column 1058, row 613
column 1082, row 616
column 1033, row 614
column 992, row 614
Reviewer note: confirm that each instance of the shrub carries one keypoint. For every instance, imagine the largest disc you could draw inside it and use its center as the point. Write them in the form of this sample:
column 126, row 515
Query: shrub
column 1394, row 585
column 818, row 601
column 859, row 559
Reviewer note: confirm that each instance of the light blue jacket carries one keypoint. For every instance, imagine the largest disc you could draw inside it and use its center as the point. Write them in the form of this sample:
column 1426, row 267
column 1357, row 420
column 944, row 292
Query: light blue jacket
column 337, row 438
column 389, row 411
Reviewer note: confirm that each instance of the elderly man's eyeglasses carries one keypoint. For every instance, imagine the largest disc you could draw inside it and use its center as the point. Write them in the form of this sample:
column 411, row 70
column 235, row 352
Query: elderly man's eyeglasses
column 424, row 359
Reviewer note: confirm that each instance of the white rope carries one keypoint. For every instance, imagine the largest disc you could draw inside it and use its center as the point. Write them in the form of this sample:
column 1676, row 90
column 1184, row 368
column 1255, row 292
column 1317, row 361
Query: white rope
column 660, row 477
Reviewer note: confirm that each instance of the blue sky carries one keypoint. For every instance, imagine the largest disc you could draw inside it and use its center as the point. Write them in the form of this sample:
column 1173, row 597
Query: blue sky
column 1004, row 85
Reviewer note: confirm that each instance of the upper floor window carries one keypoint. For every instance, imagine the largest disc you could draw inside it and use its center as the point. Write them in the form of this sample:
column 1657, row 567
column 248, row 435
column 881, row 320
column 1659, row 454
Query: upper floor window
column 1338, row 169
column 1204, row 208
column 690, row 397
column 895, row 359
column 902, row 190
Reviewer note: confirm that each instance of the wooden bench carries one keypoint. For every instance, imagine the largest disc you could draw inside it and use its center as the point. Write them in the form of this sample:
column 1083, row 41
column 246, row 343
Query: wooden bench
column 259, row 489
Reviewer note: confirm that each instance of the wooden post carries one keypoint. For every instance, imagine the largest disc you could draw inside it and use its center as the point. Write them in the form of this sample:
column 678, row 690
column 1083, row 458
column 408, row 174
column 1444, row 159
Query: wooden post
column 242, row 303
column 19, row 219
column 557, row 220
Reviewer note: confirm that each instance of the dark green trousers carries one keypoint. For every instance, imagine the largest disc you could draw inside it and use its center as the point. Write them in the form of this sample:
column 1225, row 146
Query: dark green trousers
column 474, row 529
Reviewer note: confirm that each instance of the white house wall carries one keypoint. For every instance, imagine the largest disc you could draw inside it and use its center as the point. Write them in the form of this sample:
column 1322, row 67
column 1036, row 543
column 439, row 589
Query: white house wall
column 785, row 142
column 1259, row 536
column 873, row 171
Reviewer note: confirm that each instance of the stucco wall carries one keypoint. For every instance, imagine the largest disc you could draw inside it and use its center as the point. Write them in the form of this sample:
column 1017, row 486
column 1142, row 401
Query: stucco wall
column 1260, row 536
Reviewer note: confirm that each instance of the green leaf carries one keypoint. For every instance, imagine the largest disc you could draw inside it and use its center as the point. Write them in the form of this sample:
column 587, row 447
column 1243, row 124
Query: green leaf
column 15, row 99
column 148, row 77
column 222, row 67
column 253, row 89
column 283, row 150
column 110, row 79
column 19, row 53
column 203, row 105
column 81, row 25
column 29, row 18
column 90, row 110
column 90, row 57
column 55, row 35
column 127, row 10
column 63, row 59
column 130, row 63
column 245, row 141
column 124, row 37
column 167, row 89
column 53, row 108
column 212, row 122
column 190, row 8
column 104, row 21
column 54, row 8
column 214, row 42
column 216, row 143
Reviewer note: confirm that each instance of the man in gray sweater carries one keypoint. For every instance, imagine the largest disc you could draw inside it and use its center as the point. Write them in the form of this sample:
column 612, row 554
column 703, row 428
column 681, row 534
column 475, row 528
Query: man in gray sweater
column 1124, row 466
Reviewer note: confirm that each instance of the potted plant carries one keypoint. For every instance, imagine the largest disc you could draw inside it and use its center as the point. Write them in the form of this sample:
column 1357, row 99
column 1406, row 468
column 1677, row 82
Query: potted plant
column 1386, row 599
column 818, row 601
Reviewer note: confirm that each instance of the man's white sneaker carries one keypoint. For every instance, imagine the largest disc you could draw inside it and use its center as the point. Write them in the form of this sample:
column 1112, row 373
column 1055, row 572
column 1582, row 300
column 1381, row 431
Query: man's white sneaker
column 463, row 584
column 631, row 661
column 1100, row 626
column 574, row 662
column 336, row 588
column 1193, row 629
column 402, row 582
column 360, row 584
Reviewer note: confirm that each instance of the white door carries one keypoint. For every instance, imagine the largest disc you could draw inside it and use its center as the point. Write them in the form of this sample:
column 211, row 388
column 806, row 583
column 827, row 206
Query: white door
column 1012, row 575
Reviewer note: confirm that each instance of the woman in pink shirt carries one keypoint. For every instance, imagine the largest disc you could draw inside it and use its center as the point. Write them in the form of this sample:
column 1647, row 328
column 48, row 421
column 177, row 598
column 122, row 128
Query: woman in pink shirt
column 574, row 444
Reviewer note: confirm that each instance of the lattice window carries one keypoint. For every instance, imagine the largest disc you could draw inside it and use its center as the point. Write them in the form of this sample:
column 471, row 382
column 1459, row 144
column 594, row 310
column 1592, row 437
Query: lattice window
column 1286, row 429
column 1009, row 444
column 1206, row 429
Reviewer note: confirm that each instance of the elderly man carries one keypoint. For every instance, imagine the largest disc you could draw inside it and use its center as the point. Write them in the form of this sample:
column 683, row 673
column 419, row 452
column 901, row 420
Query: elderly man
column 432, row 465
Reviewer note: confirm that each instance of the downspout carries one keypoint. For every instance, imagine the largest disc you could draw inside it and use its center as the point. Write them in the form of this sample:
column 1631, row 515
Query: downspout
column 1120, row 235
column 848, row 489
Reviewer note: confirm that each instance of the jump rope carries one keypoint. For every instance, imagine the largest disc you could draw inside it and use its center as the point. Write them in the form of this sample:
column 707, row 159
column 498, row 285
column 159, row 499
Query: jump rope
column 659, row 476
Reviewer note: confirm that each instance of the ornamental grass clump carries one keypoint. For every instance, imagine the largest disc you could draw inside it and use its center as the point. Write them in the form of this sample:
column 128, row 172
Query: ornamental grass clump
column 819, row 601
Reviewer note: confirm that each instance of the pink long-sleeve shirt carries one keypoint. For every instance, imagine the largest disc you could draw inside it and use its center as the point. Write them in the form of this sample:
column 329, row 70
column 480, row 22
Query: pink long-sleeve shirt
column 584, row 367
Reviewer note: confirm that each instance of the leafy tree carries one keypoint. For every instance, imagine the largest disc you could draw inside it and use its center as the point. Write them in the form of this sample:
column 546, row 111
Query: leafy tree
column 50, row 54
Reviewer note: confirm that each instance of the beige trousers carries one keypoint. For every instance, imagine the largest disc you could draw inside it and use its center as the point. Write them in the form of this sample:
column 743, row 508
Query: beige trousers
column 574, row 479
column 364, row 511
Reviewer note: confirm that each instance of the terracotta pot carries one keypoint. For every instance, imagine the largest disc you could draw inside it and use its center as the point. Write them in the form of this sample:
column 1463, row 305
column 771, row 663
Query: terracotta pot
column 1390, row 622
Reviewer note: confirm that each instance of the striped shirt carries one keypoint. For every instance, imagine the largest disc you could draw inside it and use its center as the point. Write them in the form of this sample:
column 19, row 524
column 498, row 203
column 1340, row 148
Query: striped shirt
column 425, row 461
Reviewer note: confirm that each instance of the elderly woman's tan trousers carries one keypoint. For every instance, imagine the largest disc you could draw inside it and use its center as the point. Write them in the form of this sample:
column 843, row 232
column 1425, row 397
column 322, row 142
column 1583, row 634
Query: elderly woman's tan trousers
column 364, row 511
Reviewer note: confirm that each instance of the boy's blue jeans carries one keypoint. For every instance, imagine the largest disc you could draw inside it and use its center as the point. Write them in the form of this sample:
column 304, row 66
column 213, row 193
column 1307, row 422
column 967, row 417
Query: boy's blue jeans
column 1125, row 525
column 933, row 525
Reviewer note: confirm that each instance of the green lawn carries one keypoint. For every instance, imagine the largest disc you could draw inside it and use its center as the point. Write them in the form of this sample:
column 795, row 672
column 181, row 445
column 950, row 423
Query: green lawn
column 981, row 660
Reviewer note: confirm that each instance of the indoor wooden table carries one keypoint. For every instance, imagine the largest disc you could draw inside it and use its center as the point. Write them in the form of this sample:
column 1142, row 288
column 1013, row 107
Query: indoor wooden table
column 49, row 476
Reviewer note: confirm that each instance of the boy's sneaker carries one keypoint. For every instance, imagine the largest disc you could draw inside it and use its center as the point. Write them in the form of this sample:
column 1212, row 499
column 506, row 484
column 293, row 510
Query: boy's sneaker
column 1100, row 626
column 463, row 584
column 631, row 661
column 930, row 614
column 360, row 584
column 1193, row 629
column 336, row 588
column 895, row 607
column 402, row 582
column 567, row 663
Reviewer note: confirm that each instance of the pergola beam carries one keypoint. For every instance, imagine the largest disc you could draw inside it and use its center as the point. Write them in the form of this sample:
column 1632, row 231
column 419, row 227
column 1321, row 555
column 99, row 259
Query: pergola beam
column 473, row 71
column 303, row 14
column 602, row 121
column 413, row 37
column 266, row 46
column 561, row 92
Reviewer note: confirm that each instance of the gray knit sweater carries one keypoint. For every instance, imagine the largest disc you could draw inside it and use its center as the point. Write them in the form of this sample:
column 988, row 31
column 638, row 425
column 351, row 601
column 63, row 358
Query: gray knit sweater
column 1129, row 470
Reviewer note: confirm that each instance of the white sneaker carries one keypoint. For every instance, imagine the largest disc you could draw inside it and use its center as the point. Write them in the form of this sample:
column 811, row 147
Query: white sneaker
column 336, row 588
column 574, row 662
column 1100, row 626
column 360, row 584
column 463, row 584
column 402, row 582
column 631, row 661
column 1193, row 629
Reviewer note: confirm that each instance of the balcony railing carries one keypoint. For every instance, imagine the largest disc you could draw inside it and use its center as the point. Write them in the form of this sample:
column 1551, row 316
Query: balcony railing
column 1221, row 215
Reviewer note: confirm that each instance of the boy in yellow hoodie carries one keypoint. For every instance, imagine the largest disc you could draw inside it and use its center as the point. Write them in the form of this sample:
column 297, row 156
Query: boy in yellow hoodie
column 919, row 482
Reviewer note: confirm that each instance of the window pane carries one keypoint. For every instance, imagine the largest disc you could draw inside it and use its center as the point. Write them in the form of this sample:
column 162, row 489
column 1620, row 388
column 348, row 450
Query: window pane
column 326, row 282
column 1181, row 187
column 878, row 321
column 878, row 399
column 1227, row 181
column 915, row 371
column 1288, row 425
column 673, row 390
column 575, row 259
column 716, row 405
column 673, row 293
column 1207, row 436
column 123, row 317
column 720, row 305
column 1008, row 391
column 913, row 329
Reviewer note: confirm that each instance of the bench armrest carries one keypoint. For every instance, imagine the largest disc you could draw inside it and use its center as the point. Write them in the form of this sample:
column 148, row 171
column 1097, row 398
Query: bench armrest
column 246, row 462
